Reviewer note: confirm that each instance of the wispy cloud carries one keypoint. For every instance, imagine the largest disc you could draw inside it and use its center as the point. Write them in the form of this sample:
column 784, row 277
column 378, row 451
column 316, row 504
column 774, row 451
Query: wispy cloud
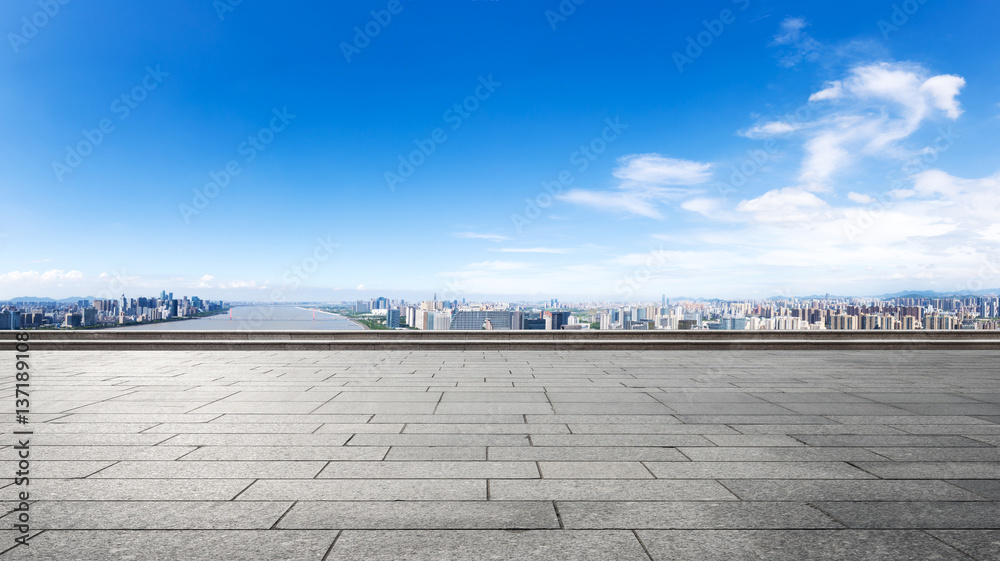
column 478, row 236
column 795, row 45
column 533, row 250
column 647, row 181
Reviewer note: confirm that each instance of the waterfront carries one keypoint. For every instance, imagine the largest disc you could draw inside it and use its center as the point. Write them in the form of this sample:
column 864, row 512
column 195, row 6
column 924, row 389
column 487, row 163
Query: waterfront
column 257, row 318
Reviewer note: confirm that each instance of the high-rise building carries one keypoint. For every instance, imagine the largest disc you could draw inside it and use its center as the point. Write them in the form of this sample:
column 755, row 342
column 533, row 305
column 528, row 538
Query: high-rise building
column 10, row 319
column 473, row 320
column 392, row 318
column 555, row 320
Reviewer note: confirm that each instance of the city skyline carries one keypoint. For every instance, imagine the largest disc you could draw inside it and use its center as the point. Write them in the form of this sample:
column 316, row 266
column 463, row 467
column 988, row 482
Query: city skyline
column 735, row 150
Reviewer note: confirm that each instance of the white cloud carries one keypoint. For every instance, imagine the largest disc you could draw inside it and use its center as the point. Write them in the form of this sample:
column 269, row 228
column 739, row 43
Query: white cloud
column 790, row 204
column 867, row 114
column 769, row 129
column 626, row 202
column 476, row 236
column 648, row 181
column 795, row 45
column 534, row 250
column 860, row 198
column 655, row 169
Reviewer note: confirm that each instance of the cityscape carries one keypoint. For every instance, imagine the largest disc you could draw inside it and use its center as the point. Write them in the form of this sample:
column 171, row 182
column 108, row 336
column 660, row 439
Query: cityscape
column 908, row 312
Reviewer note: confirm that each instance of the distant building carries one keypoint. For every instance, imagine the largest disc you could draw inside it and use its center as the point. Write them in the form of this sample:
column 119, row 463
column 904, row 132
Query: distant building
column 89, row 317
column 73, row 320
column 556, row 320
column 473, row 320
column 392, row 318
column 10, row 319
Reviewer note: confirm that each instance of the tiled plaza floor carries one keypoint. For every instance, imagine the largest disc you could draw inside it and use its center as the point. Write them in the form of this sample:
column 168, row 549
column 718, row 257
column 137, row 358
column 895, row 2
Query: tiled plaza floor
column 593, row 455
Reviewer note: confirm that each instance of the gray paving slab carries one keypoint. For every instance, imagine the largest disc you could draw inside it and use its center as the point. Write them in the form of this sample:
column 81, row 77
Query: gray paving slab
column 441, row 453
column 487, row 545
column 607, row 515
column 367, row 490
column 594, row 470
column 154, row 515
column 212, row 470
column 933, row 470
column 914, row 515
column 438, row 469
column 139, row 489
column 608, row 490
column 795, row 545
column 987, row 488
column 190, row 545
column 587, row 453
column 847, row 490
column 483, row 446
column 756, row 470
column 429, row 515
column 979, row 544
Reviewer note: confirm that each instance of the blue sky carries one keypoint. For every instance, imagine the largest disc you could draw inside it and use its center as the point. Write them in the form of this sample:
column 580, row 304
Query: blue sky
column 867, row 137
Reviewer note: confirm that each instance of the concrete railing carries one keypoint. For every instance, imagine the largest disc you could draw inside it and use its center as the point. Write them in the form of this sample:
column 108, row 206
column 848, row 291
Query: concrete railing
column 504, row 340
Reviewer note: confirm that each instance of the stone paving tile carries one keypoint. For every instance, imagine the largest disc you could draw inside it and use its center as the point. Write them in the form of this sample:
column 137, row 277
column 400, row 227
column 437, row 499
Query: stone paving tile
column 644, row 428
column 139, row 489
column 484, row 428
column 154, row 515
column 608, row 490
column 440, row 453
column 933, row 470
column 253, row 440
column 987, row 488
column 285, row 453
column 980, row 544
column 756, row 470
column 915, row 515
column 594, row 470
column 779, row 454
column 429, row 470
column 439, row 440
column 459, row 419
column 52, row 453
column 61, row 469
column 367, row 490
column 487, row 545
column 888, row 440
column 818, row 429
column 607, row 515
column 847, row 490
column 430, row 515
column 795, row 545
column 921, row 454
column 670, row 440
column 211, row 470
column 587, row 453
column 189, row 545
